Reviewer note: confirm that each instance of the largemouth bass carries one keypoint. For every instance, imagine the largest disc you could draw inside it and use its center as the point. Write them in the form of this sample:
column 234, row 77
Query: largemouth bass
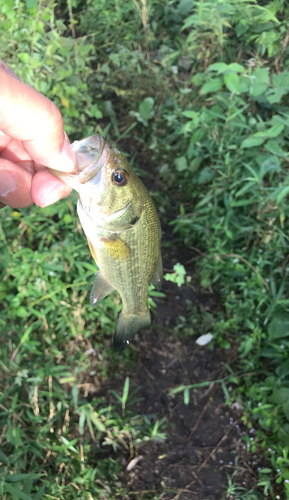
column 123, row 231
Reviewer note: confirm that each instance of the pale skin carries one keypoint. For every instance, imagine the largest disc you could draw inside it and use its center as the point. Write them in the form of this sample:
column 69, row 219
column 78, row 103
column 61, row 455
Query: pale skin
column 31, row 139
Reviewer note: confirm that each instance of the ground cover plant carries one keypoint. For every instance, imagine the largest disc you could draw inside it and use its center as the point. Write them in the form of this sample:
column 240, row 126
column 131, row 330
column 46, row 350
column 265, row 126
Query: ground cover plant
column 202, row 87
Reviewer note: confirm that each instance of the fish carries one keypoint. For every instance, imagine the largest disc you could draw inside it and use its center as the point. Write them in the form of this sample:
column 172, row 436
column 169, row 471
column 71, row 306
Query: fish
column 123, row 231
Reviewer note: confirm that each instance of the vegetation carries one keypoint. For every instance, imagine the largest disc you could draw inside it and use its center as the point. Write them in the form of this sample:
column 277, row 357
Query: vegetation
column 215, row 121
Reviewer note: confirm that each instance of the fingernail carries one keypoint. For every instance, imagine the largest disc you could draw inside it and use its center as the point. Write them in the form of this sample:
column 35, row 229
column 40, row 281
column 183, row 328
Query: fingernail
column 66, row 161
column 7, row 182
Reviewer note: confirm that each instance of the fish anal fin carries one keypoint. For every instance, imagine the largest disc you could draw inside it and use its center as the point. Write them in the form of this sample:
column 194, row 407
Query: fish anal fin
column 92, row 251
column 127, row 326
column 157, row 279
column 116, row 248
column 100, row 289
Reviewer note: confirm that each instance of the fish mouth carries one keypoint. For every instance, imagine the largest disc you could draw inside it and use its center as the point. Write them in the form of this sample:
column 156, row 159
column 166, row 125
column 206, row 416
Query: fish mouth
column 92, row 155
column 90, row 159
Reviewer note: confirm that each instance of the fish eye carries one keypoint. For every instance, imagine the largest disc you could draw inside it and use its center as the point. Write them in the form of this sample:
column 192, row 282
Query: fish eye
column 120, row 177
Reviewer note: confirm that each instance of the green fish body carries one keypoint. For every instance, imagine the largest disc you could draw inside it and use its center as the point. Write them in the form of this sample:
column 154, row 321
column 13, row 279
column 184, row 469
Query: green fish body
column 123, row 231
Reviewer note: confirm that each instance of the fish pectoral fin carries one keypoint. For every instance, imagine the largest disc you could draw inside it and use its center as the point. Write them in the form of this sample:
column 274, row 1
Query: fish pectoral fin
column 100, row 289
column 92, row 251
column 157, row 279
column 127, row 326
column 116, row 248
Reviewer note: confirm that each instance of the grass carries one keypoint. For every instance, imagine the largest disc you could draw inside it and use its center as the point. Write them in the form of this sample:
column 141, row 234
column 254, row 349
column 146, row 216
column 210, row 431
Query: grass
column 204, row 89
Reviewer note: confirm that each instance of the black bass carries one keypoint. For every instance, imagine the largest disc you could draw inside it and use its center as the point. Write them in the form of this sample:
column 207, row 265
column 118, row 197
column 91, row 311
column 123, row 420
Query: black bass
column 122, row 228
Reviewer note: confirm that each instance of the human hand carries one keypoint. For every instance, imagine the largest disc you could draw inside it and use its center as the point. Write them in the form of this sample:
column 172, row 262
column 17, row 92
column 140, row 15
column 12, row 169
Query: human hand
column 31, row 139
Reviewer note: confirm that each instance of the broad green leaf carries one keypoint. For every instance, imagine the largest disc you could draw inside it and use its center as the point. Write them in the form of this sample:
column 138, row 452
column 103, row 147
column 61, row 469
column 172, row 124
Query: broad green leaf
column 23, row 57
column 194, row 164
column 236, row 68
column 206, row 175
column 22, row 312
column 181, row 163
column 258, row 88
column 146, row 108
column 198, row 78
column 266, row 470
column 232, row 82
column 184, row 7
column 261, row 75
column 247, row 345
column 274, row 148
column 193, row 123
column 275, row 130
column 30, row 4
column 260, row 81
column 279, row 326
column 280, row 396
column 286, row 409
column 190, row 114
column 245, row 83
column 178, row 276
column 220, row 67
column 275, row 95
column 241, row 28
column 281, row 80
column 252, row 141
column 212, row 86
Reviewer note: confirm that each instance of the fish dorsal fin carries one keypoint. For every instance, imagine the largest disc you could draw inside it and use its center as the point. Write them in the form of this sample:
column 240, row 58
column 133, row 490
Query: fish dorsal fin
column 128, row 325
column 157, row 278
column 100, row 289
column 116, row 248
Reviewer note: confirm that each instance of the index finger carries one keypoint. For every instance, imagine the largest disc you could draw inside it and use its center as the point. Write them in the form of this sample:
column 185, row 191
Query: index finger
column 33, row 119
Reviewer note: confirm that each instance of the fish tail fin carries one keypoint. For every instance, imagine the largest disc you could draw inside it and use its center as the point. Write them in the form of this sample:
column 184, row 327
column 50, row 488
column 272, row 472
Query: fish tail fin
column 128, row 325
